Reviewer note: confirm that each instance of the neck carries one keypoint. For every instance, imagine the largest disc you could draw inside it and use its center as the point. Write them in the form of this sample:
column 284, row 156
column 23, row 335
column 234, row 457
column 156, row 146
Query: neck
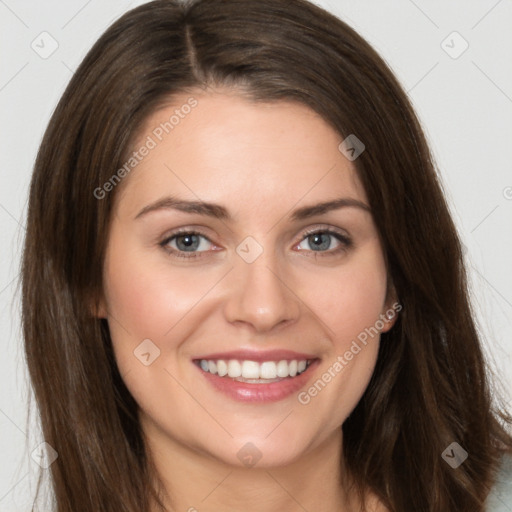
column 196, row 482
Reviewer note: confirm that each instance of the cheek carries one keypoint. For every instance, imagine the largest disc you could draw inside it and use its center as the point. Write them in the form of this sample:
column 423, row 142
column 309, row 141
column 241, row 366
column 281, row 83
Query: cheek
column 145, row 296
column 349, row 300
column 148, row 299
column 349, row 307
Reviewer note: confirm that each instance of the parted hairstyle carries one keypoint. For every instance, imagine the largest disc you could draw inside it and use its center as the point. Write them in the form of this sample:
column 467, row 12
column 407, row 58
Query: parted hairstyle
column 431, row 385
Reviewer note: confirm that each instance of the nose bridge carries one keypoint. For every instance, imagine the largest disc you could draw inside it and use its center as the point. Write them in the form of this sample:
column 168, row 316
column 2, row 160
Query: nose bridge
column 260, row 295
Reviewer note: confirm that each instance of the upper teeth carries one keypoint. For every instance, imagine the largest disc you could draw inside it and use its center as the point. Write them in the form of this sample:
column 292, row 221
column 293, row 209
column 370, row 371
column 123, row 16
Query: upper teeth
column 253, row 369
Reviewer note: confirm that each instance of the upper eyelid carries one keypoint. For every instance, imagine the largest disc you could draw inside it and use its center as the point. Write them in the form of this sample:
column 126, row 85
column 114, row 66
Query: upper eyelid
column 327, row 229
column 305, row 231
column 303, row 234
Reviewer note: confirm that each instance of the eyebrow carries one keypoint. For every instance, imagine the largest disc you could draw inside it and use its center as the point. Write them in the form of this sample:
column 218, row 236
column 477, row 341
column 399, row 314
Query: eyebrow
column 219, row 212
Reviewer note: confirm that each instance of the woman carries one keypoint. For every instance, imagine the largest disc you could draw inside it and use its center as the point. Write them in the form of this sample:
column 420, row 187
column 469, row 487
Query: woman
column 242, row 288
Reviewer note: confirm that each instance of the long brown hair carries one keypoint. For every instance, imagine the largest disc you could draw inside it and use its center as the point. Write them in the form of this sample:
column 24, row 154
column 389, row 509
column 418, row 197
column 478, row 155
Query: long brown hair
column 430, row 386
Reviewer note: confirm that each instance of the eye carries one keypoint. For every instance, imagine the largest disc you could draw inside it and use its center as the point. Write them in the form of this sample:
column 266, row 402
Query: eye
column 327, row 241
column 186, row 244
column 190, row 244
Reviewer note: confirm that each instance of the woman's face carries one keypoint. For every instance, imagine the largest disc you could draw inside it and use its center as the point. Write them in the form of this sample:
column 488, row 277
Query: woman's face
column 241, row 241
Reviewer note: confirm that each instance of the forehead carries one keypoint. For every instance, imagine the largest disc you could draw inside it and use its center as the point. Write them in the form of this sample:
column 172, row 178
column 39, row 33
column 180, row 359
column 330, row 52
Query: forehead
column 231, row 150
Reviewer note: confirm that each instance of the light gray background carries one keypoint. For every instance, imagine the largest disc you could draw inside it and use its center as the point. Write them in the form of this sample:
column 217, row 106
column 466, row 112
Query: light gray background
column 465, row 105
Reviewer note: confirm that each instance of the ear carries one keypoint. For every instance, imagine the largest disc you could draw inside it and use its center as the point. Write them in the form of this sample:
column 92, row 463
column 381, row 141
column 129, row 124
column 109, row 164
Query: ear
column 392, row 308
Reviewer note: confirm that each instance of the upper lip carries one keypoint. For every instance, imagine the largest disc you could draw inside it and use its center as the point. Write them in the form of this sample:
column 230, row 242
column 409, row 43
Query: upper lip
column 258, row 355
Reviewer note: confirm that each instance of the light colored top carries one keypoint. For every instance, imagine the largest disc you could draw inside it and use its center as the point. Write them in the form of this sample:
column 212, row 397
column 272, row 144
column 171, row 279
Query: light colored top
column 500, row 499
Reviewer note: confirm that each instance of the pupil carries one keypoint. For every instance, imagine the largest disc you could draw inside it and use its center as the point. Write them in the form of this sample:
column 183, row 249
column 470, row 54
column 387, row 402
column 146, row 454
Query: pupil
column 320, row 241
column 187, row 242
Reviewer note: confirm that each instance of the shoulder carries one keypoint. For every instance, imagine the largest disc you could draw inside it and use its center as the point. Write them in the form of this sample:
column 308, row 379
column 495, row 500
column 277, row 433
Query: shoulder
column 500, row 498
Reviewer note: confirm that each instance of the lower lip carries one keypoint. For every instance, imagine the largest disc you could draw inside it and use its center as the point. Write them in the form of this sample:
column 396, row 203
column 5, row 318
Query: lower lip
column 271, row 392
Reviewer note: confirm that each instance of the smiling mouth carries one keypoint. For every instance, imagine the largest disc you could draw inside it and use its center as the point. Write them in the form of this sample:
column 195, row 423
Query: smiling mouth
column 253, row 372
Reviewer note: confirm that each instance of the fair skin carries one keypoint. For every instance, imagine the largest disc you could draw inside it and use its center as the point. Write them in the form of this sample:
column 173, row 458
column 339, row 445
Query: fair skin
column 261, row 162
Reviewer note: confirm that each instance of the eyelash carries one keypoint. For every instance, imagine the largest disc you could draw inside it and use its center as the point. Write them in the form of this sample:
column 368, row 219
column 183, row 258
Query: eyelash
column 182, row 254
column 345, row 241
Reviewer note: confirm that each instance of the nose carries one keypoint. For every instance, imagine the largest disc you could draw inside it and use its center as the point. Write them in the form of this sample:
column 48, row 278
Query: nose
column 261, row 296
